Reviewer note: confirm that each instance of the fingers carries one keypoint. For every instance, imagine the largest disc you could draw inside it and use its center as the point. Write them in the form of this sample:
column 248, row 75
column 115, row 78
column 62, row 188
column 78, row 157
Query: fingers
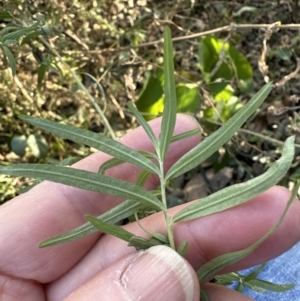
column 50, row 209
column 219, row 292
column 20, row 289
column 208, row 237
column 156, row 274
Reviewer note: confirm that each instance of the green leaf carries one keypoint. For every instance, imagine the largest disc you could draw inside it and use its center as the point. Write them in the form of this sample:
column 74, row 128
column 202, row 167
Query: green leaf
column 84, row 180
column 8, row 28
column 255, row 273
column 183, row 248
column 150, row 99
column 284, row 53
column 141, row 243
column 10, row 58
column 42, row 70
column 240, row 287
column 188, row 100
column 5, row 15
column 110, row 229
column 169, row 114
column 141, row 120
column 211, row 268
column 15, row 35
column 211, row 144
column 114, row 215
column 142, row 178
column 204, row 296
column 32, row 36
column 227, row 279
column 239, row 193
column 241, row 65
column 113, row 162
column 186, row 134
column 98, row 141
column 265, row 285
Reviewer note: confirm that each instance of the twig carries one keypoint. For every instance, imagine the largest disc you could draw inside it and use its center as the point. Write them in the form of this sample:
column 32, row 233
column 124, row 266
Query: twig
column 230, row 27
column 262, row 65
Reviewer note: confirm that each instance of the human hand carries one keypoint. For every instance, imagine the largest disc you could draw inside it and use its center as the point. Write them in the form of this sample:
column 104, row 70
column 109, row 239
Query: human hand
column 101, row 267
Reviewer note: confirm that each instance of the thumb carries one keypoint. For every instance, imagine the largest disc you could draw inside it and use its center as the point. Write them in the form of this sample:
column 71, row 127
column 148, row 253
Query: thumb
column 159, row 273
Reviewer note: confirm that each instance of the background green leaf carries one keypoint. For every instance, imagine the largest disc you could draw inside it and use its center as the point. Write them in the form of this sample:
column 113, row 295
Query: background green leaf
column 211, row 144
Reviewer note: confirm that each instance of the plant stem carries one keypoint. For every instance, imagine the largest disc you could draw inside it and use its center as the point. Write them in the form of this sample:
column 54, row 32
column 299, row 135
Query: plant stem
column 168, row 218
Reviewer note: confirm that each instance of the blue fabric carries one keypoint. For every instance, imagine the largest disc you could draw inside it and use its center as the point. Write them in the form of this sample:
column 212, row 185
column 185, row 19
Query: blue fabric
column 284, row 269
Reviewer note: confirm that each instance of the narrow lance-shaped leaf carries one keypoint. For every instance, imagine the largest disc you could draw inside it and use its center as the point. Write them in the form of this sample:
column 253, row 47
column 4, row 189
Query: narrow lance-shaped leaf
column 114, row 215
column 15, row 35
column 113, row 162
column 98, row 141
column 84, row 180
column 143, row 243
column 255, row 273
column 110, row 229
column 170, row 103
column 237, row 194
column 210, row 269
column 10, row 58
column 141, row 120
column 185, row 135
column 259, row 284
column 212, row 143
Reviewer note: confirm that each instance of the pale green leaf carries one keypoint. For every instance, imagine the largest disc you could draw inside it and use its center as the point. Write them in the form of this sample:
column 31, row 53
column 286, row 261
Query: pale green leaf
column 5, row 15
column 204, row 296
column 15, row 35
column 169, row 113
column 114, row 215
column 239, row 193
column 98, row 141
column 211, row 268
column 113, row 162
column 141, row 243
column 142, row 178
column 110, row 229
column 255, row 273
column 258, row 284
column 185, row 135
column 42, row 70
column 212, row 143
column 141, row 120
column 84, row 180
column 10, row 58
column 183, row 248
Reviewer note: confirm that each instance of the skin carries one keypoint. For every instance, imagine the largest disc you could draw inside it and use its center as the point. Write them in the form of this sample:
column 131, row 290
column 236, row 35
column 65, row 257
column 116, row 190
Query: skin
column 86, row 269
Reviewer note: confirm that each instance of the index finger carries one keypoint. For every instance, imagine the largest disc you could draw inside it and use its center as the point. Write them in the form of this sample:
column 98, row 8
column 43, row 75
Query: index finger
column 50, row 209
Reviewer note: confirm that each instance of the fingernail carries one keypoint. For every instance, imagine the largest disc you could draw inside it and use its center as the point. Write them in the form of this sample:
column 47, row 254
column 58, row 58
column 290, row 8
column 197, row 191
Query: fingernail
column 159, row 273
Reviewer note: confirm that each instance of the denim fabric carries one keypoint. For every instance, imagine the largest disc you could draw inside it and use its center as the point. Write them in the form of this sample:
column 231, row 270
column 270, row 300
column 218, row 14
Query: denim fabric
column 284, row 269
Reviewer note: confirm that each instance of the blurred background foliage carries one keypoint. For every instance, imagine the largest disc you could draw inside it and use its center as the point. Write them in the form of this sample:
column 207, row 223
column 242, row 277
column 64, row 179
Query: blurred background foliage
column 115, row 50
